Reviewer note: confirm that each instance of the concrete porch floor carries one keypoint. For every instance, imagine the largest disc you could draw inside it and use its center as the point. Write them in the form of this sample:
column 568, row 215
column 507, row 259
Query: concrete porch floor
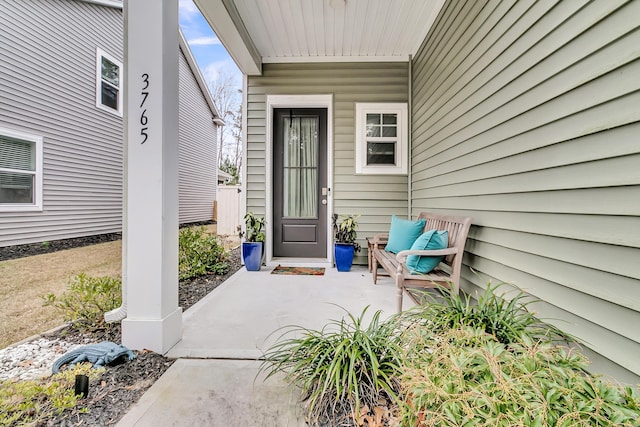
column 214, row 382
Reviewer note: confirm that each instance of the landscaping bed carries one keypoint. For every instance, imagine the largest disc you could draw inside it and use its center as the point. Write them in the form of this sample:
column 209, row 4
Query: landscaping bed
column 118, row 387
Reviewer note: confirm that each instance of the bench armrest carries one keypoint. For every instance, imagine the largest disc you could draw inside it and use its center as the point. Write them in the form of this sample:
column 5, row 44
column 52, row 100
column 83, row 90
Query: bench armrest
column 379, row 239
column 402, row 255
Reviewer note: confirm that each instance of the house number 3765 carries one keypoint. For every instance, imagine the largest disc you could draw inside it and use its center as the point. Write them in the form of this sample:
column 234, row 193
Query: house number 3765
column 144, row 120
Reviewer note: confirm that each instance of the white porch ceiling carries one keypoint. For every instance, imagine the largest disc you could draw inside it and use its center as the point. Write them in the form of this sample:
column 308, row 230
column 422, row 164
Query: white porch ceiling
column 263, row 31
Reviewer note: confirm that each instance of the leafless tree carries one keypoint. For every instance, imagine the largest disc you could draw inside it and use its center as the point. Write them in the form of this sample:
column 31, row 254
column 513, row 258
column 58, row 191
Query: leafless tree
column 227, row 98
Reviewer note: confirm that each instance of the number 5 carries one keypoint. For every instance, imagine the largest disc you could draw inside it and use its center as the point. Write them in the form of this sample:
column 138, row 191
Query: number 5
column 143, row 132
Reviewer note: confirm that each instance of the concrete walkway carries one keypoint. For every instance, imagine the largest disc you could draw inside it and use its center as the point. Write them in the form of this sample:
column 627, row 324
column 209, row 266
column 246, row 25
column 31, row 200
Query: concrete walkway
column 214, row 382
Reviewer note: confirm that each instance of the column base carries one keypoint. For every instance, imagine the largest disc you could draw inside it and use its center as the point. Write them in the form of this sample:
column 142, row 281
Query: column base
column 158, row 335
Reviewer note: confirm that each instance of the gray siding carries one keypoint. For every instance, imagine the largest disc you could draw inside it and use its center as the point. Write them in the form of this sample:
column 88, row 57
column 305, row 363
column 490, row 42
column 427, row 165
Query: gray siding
column 47, row 88
column 375, row 197
column 197, row 150
column 526, row 118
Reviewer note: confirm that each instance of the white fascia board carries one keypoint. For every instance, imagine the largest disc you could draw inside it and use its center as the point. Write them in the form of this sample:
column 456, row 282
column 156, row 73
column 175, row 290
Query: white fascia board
column 315, row 59
column 225, row 21
column 198, row 75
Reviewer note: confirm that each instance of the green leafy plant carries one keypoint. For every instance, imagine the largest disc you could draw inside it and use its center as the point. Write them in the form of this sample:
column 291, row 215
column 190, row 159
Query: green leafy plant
column 34, row 401
column 87, row 299
column 342, row 368
column 344, row 230
column 254, row 228
column 509, row 320
column 200, row 253
column 468, row 377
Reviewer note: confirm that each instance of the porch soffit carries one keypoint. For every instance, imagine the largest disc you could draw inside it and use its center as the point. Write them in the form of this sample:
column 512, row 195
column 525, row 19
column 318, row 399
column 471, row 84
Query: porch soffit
column 264, row 31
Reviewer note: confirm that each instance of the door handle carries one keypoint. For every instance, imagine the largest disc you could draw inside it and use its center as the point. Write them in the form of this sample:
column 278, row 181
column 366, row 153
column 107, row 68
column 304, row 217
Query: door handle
column 324, row 201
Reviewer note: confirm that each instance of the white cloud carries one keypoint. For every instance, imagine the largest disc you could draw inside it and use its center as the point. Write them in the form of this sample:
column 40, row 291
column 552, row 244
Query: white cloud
column 214, row 70
column 188, row 10
column 204, row 41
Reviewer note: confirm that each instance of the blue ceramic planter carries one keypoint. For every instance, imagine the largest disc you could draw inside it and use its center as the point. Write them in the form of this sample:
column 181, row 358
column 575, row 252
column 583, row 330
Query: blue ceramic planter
column 344, row 256
column 252, row 255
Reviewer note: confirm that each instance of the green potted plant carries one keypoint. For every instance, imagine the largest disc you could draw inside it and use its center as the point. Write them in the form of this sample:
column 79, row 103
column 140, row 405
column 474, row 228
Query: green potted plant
column 345, row 235
column 253, row 245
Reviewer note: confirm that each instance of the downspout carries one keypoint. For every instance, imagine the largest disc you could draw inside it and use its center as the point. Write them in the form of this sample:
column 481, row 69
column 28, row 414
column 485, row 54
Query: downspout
column 120, row 313
column 410, row 142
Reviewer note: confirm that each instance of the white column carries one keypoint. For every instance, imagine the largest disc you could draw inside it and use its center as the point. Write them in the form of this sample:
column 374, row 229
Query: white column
column 154, row 320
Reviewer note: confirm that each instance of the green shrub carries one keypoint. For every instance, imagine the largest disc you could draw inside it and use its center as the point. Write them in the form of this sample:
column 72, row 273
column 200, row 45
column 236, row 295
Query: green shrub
column 508, row 320
column 87, row 300
column 470, row 378
column 27, row 402
column 199, row 253
column 342, row 368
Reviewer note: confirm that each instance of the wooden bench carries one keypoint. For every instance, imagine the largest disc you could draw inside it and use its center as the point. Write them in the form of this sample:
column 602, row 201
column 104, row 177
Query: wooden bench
column 447, row 273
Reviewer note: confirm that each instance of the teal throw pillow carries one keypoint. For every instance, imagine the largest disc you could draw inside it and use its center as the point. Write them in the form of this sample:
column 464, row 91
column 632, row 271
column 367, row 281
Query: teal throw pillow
column 403, row 233
column 431, row 240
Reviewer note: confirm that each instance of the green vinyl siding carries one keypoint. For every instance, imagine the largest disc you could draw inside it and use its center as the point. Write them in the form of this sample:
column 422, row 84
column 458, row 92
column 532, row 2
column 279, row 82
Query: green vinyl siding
column 376, row 197
column 525, row 117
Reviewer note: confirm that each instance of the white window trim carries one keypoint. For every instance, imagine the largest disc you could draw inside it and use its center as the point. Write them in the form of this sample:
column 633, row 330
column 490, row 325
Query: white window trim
column 99, row 55
column 402, row 145
column 37, row 205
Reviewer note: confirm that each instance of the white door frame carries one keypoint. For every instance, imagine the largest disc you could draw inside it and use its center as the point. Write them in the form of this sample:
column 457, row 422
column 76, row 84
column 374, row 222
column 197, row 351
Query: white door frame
column 297, row 101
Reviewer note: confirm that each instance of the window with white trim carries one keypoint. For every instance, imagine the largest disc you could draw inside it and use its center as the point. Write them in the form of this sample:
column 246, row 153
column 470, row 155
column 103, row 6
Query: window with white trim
column 20, row 171
column 108, row 83
column 382, row 144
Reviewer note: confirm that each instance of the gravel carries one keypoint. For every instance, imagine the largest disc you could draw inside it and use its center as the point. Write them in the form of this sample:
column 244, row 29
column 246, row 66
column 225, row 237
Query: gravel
column 111, row 395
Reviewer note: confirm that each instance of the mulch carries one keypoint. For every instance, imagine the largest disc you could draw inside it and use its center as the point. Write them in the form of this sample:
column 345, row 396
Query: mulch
column 31, row 249
column 121, row 386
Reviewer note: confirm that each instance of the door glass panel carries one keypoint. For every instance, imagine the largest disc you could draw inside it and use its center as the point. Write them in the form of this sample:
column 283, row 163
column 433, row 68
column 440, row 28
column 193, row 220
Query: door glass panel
column 300, row 167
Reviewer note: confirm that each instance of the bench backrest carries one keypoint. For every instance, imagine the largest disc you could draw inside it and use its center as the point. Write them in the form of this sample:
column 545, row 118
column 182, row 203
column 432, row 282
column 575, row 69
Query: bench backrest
column 456, row 226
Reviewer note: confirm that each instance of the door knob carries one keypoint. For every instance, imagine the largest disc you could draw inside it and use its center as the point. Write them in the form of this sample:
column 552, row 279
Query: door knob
column 324, row 201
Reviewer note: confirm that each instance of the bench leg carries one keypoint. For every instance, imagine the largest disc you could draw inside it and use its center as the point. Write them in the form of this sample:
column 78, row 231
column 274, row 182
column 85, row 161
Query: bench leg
column 400, row 296
column 374, row 268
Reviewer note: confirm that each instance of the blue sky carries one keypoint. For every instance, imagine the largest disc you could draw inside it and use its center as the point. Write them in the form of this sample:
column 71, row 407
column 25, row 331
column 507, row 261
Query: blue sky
column 210, row 54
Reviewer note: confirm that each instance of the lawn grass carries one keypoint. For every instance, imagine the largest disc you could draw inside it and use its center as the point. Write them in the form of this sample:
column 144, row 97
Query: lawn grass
column 23, row 281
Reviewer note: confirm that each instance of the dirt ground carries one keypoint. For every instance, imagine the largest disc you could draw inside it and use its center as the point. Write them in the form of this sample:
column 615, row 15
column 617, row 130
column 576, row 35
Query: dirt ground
column 24, row 281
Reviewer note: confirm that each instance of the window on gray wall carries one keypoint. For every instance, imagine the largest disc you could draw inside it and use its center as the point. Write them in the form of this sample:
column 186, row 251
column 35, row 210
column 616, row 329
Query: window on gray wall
column 108, row 83
column 20, row 171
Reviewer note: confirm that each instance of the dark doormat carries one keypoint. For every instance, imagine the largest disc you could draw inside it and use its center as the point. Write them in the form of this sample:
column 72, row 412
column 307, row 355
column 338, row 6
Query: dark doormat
column 301, row 271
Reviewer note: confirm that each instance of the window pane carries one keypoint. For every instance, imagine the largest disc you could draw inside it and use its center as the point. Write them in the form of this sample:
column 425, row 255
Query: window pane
column 390, row 119
column 300, row 167
column 109, row 96
column 110, row 72
column 373, row 131
column 301, row 141
column 17, row 154
column 389, row 131
column 16, row 187
column 381, row 153
column 373, row 119
column 301, row 193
